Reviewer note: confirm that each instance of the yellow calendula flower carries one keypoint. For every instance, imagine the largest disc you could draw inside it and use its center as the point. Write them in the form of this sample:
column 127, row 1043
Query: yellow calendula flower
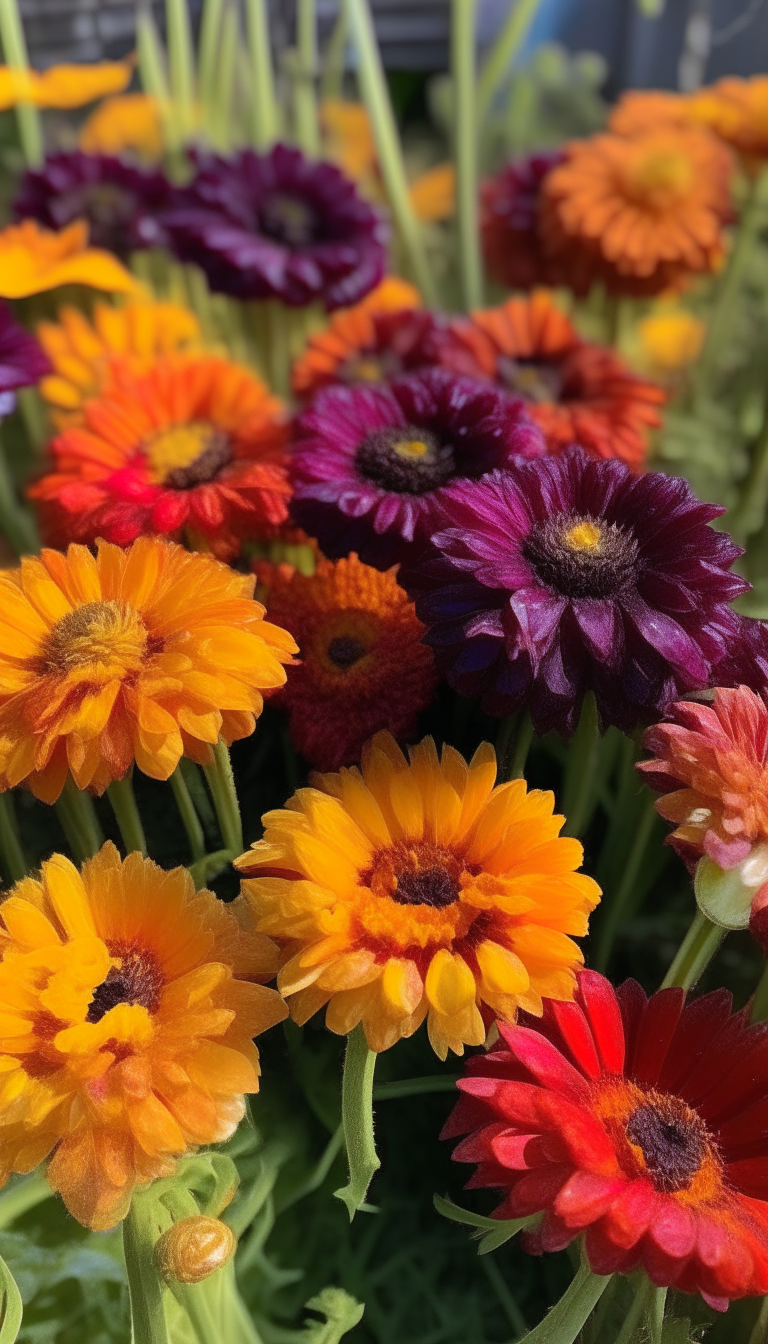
column 129, row 1004
column 350, row 143
column 417, row 889
column 34, row 259
column 670, row 339
column 82, row 350
column 63, row 86
column 130, row 121
column 433, row 194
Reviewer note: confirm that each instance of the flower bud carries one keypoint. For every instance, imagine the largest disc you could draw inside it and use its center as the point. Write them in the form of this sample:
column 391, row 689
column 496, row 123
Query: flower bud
column 193, row 1248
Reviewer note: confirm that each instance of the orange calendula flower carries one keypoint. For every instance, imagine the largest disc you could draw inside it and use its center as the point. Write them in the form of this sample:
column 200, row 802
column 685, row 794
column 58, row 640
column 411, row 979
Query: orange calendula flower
column 670, row 339
column 142, row 655
column 403, row 891
column 349, row 137
column 193, row 448
column 82, row 349
column 640, row 110
column 33, row 260
column 363, row 666
column 129, row 121
column 129, row 1007
column 574, row 391
column 737, row 110
column 63, row 86
column 646, row 211
column 433, row 193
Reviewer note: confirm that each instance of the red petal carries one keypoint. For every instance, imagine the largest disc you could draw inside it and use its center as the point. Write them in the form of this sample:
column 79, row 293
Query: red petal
column 536, row 1190
column 657, row 1029
column 584, row 1198
column 466, row 1115
column 700, row 1022
column 632, row 999
column 515, row 1150
column 577, row 1036
column 750, row 1176
column 477, row 1148
column 588, row 1144
column 603, row 1256
column 673, row 1230
column 517, row 1102
column 630, row 1215
column 601, row 1006
column 546, row 1064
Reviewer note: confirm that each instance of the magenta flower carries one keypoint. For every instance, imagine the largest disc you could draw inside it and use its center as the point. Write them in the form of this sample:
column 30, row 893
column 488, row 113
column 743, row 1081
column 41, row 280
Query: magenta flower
column 120, row 201
column 570, row 574
column 371, row 464
column 22, row 361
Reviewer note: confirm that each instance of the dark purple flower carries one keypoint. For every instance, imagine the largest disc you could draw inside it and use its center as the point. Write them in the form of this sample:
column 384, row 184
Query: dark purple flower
column 568, row 575
column 119, row 201
column 509, row 222
column 371, row 464
column 746, row 660
column 278, row 225
column 22, row 360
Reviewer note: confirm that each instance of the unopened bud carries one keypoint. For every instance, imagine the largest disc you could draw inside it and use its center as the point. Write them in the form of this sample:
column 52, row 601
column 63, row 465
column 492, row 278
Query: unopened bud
column 193, row 1248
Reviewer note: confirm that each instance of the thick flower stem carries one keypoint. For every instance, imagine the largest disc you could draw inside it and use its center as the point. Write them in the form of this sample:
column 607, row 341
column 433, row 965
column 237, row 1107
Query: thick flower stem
column 26, row 1194
column 373, row 86
column 189, row 817
column 463, row 13
column 141, row 1228
column 77, row 817
column 207, row 51
column 180, row 63
column 749, row 511
column 655, row 1317
column 264, row 125
column 11, row 851
column 615, row 907
column 759, row 1009
column 760, row 1329
column 565, row 1320
column 16, row 525
column 580, row 774
column 15, row 52
column 695, row 953
column 357, row 1119
column 121, row 796
column 221, row 782
column 523, row 742
column 637, row 1310
column 503, row 53
column 305, row 102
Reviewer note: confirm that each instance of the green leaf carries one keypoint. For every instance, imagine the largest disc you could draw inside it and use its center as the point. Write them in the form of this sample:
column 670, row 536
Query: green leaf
column 341, row 1312
column 491, row 1232
column 10, row 1306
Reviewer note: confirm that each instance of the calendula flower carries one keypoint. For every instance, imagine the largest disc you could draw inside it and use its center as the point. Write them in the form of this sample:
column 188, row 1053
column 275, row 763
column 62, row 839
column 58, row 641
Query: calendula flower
column 22, row 361
column 63, row 86
column 142, row 655
column 386, row 334
column 129, row 1005
column 120, row 202
column 363, row 666
column 509, row 222
column 670, row 339
column 575, row 392
column 128, row 122
column 277, row 225
column 433, row 194
column 646, row 212
column 349, row 140
column 568, row 575
column 638, row 111
column 636, row 1123
column 195, row 446
column 83, row 349
column 370, row 464
column 737, row 110
column 409, row 890
column 33, row 260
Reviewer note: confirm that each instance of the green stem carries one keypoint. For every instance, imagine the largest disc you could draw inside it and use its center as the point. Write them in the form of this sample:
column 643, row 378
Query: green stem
column 760, row 1329
column 465, row 141
column 636, row 1311
column 695, row 953
column 16, row 525
column 141, row 1228
column 207, row 52
column 152, row 74
column 78, row 820
column 523, row 742
column 123, row 800
column 25, row 1195
column 15, row 50
column 264, row 113
column 203, row 1306
column 10, row 845
column 180, row 62
column 503, row 53
column 221, row 782
column 224, row 82
column 580, row 773
column 305, row 103
column 748, row 513
column 357, row 1119
column 189, row 817
column 759, row 1009
column 615, row 908
column 415, row 1087
column 373, row 86
column 332, row 78
column 565, row 1320
column 655, row 1316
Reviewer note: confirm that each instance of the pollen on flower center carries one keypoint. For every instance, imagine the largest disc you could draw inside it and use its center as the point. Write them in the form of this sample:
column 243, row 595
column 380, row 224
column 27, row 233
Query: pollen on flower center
column 535, row 381
column 405, row 459
column 580, row 557
column 138, row 979
column 584, row 536
column 108, row 633
column 661, row 178
column 187, row 455
column 673, row 1139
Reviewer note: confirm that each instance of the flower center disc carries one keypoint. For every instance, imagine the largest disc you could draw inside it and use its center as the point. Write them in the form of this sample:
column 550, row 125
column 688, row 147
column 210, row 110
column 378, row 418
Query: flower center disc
column 415, row 874
column 187, row 455
column 673, row 1139
column 405, row 460
column 344, row 651
column 579, row 556
column 110, row 634
column 660, row 179
column 289, row 220
column 137, row 980
column 534, row 381
column 429, row 886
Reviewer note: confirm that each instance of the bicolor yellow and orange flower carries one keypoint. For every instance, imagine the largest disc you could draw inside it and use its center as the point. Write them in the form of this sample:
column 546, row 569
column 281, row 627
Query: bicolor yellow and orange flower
column 129, row 1005
column 34, row 260
column 140, row 656
column 63, row 86
column 365, row 343
column 82, row 349
column 411, row 890
column 127, row 122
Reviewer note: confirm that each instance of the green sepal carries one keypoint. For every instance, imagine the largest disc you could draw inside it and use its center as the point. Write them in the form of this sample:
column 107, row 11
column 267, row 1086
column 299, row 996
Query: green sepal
column 490, row 1232
column 722, row 895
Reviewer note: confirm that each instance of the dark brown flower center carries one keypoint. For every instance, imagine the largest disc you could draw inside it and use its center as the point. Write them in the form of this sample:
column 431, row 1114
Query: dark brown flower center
column 534, row 380
column 370, row 367
column 579, row 556
column 289, row 220
column 674, row 1141
column 407, row 460
column 345, row 651
column 105, row 204
column 137, row 980
column 427, row 886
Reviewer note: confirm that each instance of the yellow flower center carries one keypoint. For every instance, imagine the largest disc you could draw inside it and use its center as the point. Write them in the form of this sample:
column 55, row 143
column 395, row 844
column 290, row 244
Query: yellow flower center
column 660, row 179
column 109, row 636
column 364, row 371
column 411, row 448
column 186, row 455
column 583, row 536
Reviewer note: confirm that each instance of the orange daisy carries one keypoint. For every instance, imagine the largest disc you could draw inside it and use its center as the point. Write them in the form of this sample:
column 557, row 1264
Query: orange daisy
column 129, row 121
column 737, row 110
column 34, row 259
column 82, row 349
column 403, row 891
column 193, row 448
column 640, row 110
column 645, row 211
column 129, row 1007
column 363, row 666
column 575, row 392
column 142, row 655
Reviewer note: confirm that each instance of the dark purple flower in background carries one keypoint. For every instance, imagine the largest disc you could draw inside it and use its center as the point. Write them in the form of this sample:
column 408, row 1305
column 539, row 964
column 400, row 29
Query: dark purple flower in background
column 371, row 464
column 746, row 659
column 568, row 575
column 278, row 225
column 22, row 361
column 512, row 244
column 120, row 202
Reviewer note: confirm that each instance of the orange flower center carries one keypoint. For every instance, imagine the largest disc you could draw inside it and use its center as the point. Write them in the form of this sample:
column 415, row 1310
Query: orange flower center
column 660, row 179
column 109, row 635
column 183, row 456
column 138, row 979
column 416, row 874
column 659, row 1136
column 578, row 556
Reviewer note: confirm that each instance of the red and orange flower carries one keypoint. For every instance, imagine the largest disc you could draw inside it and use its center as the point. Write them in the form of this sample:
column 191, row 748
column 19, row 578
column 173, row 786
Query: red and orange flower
column 195, row 448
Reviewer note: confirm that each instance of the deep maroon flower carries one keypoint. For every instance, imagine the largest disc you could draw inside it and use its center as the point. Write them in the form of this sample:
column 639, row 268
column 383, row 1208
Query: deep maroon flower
column 120, row 201
column 371, row 465
column 277, row 224
column 22, row 360
column 746, row 659
column 509, row 223
column 569, row 575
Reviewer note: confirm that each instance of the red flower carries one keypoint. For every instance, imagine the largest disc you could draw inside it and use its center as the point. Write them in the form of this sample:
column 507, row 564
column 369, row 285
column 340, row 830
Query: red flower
column 638, row 1122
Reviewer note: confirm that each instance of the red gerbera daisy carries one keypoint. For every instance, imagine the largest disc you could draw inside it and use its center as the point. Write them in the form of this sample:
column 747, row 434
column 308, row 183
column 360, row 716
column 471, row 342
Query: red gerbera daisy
column 194, row 448
column 575, row 392
column 637, row 1122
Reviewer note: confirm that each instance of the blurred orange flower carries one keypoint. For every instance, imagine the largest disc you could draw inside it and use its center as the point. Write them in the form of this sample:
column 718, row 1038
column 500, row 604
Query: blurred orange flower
column 350, row 349
column 33, row 260
column 63, row 86
column 128, row 122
